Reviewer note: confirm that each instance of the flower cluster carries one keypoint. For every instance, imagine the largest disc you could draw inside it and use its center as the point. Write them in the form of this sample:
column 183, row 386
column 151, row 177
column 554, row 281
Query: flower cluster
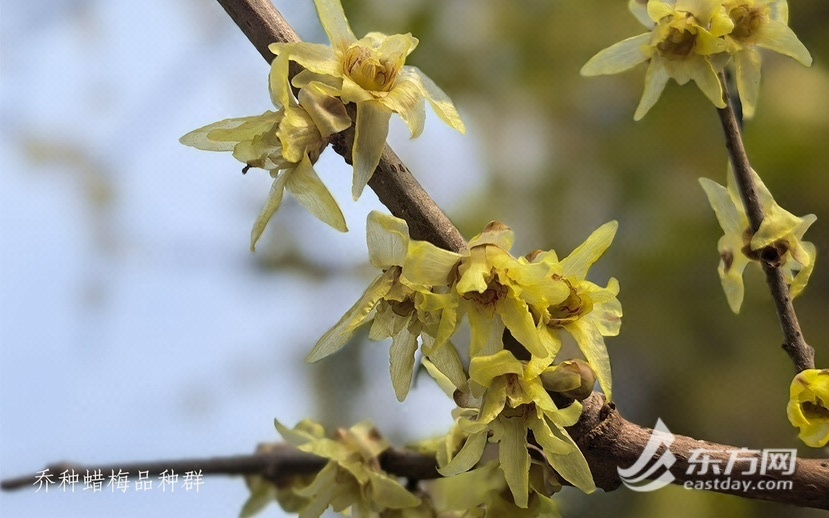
column 352, row 479
column 369, row 72
column 424, row 292
column 695, row 40
column 778, row 242
column 808, row 407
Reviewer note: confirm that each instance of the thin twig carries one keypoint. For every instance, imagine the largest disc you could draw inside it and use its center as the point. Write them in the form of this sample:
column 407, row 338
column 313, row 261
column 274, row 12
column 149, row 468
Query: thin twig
column 394, row 184
column 801, row 354
column 276, row 463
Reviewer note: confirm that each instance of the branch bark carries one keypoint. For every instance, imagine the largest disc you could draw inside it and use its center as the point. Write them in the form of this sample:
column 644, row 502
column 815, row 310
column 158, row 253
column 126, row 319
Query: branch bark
column 801, row 354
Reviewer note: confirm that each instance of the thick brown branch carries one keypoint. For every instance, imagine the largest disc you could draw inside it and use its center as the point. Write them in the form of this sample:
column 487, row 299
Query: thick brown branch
column 609, row 442
column 801, row 354
column 394, row 184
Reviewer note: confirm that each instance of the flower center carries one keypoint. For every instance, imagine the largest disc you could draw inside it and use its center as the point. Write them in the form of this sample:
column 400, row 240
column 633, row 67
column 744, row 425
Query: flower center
column 679, row 42
column 572, row 309
column 494, row 292
column 746, row 21
column 815, row 411
column 366, row 67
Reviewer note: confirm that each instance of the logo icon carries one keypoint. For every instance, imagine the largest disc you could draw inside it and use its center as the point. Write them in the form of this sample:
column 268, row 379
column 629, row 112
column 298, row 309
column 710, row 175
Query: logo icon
column 651, row 471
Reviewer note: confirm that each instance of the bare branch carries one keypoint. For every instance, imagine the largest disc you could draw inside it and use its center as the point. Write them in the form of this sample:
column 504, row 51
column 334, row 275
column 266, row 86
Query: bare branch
column 801, row 354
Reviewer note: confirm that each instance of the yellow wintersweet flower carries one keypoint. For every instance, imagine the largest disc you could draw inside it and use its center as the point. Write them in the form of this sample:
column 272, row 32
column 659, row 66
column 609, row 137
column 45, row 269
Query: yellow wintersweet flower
column 353, row 477
column 808, row 407
column 287, row 143
column 507, row 400
column 494, row 290
column 684, row 35
column 397, row 305
column 372, row 73
column 779, row 240
column 589, row 312
column 759, row 23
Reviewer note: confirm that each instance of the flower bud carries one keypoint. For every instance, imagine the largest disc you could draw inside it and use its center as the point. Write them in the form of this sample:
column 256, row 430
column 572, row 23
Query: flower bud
column 572, row 378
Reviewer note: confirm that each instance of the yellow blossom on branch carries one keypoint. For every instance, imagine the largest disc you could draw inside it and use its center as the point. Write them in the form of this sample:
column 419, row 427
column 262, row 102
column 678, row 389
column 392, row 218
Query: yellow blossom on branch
column 590, row 312
column 494, row 290
column 508, row 400
column 778, row 242
column 396, row 306
column 808, row 407
column 370, row 72
column 353, row 478
column 684, row 35
column 286, row 143
column 763, row 24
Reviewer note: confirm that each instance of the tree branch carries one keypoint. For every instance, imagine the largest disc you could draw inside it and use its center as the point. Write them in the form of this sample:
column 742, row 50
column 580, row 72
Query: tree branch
column 607, row 440
column 394, row 184
column 801, row 354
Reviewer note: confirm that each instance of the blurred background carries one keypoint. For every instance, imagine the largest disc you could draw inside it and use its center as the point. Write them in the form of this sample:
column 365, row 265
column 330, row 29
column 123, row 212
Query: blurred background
column 136, row 325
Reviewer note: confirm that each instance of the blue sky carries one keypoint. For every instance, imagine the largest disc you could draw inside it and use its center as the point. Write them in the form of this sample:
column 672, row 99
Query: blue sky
column 136, row 324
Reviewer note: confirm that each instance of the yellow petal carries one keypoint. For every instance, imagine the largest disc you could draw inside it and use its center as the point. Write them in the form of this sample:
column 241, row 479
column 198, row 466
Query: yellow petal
column 387, row 492
column 730, row 219
column 779, row 37
column 270, row 208
column 429, row 265
column 467, row 457
column 572, row 465
column 578, row 263
column 493, row 402
column 592, row 346
column 334, row 22
column 639, row 9
column 388, row 240
column 401, row 362
column 778, row 224
column 655, row 80
column 619, row 57
column 438, row 100
column 327, row 112
column 312, row 56
column 483, row 369
column 486, row 332
column 802, row 278
column 808, row 407
column 369, row 140
column 446, row 360
column 658, row 9
column 707, row 80
column 549, row 442
column 406, row 100
column 475, row 272
column 732, row 265
column 225, row 133
column 515, row 460
column 311, row 193
column 519, row 321
column 343, row 330
column 278, row 82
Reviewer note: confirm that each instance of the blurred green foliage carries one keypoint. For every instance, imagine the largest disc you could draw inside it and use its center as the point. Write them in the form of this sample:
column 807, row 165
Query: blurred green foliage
column 564, row 155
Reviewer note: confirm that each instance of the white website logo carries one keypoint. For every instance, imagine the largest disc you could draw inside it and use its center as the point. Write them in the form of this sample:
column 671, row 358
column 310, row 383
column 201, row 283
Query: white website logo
column 710, row 469
column 642, row 476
